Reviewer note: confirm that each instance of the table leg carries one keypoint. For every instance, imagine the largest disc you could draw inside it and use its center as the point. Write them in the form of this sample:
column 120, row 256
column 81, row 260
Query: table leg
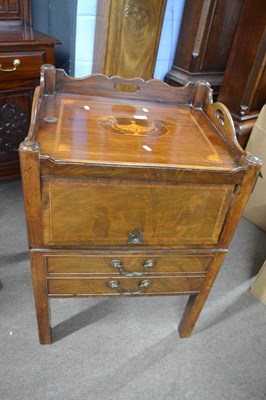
column 41, row 298
column 196, row 302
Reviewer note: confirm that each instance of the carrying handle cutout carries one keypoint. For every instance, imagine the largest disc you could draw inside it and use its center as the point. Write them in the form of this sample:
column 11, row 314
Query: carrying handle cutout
column 122, row 87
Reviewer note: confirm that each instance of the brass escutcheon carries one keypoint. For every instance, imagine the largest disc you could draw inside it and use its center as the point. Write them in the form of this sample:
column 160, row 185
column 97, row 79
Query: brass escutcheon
column 135, row 237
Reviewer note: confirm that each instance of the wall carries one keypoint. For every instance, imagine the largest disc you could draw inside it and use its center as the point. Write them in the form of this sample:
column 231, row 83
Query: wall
column 58, row 19
column 85, row 29
column 169, row 36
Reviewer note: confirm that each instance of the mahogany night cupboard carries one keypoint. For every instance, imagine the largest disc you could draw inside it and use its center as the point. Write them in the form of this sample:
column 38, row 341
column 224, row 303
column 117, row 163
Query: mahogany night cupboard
column 129, row 193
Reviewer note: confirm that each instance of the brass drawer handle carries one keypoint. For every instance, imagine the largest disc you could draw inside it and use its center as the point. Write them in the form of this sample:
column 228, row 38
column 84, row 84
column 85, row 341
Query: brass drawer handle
column 116, row 285
column 16, row 63
column 119, row 266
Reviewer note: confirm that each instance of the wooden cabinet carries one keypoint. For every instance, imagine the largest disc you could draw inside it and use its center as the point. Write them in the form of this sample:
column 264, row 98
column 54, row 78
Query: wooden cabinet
column 127, row 37
column 22, row 52
column 244, row 86
column 206, row 35
column 129, row 193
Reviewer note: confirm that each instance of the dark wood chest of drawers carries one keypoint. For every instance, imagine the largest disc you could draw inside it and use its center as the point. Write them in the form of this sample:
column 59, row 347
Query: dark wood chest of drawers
column 22, row 52
column 129, row 193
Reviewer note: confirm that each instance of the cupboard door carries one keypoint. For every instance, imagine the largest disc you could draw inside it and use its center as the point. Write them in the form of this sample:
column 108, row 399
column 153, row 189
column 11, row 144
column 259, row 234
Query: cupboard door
column 15, row 110
column 84, row 212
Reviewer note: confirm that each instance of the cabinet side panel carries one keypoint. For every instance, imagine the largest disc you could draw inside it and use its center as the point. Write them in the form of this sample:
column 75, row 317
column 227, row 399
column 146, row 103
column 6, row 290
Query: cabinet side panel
column 29, row 164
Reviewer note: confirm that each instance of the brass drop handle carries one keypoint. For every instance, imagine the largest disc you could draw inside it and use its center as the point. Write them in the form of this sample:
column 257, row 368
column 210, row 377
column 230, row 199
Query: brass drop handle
column 16, row 63
column 119, row 266
column 116, row 285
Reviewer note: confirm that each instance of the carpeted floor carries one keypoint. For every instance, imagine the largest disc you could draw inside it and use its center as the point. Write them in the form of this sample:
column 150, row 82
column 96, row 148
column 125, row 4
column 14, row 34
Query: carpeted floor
column 108, row 349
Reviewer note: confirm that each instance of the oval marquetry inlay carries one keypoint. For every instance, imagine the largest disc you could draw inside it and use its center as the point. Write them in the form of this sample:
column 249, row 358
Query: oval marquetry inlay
column 132, row 126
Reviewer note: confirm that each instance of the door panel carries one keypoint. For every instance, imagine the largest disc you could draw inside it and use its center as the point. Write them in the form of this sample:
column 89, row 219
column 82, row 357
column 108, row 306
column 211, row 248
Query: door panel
column 84, row 212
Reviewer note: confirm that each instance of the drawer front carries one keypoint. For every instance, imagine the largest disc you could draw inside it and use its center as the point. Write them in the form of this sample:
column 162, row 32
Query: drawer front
column 124, row 286
column 84, row 212
column 127, row 265
column 21, row 65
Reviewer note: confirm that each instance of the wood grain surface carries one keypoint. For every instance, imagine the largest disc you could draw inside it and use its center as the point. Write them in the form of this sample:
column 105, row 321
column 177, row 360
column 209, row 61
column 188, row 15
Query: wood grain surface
column 101, row 213
column 98, row 286
column 133, row 37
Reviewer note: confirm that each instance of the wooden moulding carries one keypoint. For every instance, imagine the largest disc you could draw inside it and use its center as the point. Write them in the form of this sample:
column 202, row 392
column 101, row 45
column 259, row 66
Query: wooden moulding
column 18, row 12
column 50, row 167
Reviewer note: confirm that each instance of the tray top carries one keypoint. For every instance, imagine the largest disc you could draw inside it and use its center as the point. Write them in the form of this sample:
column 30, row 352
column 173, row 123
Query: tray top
column 115, row 131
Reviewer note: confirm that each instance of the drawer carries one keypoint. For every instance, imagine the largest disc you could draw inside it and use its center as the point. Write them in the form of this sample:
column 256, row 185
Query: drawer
column 108, row 212
column 124, row 286
column 126, row 264
column 17, row 65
